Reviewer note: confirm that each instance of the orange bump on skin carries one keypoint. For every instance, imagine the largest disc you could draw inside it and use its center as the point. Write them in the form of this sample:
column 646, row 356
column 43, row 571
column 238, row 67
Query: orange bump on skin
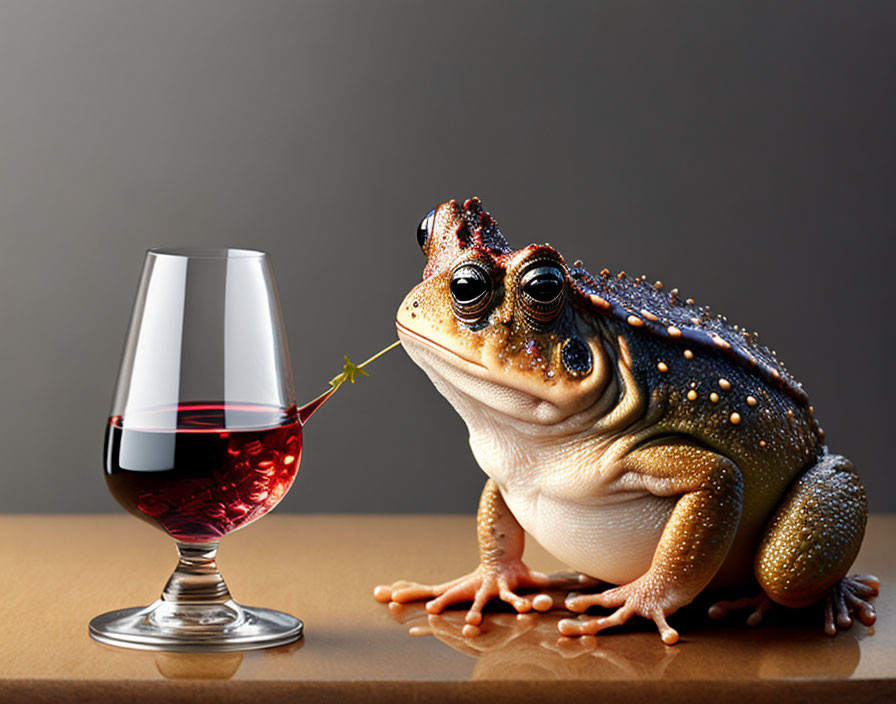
column 688, row 354
column 719, row 342
column 662, row 367
column 692, row 395
column 714, row 397
column 647, row 314
column 599, row 302
column 724, row 384
column 762, row 443
column 674, row 332
column 734, row 418
column 751, row 401
column 635, row 321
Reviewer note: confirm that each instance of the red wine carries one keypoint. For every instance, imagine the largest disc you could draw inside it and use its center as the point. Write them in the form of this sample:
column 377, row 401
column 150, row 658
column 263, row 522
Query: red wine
column 200, row 470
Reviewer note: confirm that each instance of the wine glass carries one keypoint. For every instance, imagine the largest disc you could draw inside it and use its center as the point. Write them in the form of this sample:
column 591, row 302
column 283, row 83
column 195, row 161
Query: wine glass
column 203, row 438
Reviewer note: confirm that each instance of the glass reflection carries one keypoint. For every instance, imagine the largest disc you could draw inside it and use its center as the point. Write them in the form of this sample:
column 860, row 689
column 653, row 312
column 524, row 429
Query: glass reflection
column 198, row 666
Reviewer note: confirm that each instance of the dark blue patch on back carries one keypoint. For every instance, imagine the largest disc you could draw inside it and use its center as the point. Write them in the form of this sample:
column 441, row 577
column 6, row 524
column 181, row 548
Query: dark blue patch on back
column 641, row 305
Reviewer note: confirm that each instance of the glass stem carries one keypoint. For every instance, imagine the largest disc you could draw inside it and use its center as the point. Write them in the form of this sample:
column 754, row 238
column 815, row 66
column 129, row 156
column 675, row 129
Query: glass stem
column 196, row 599
column 196, row 580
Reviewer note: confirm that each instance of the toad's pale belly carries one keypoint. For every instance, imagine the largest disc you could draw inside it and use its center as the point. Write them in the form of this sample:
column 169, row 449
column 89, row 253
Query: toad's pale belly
column 613, row 542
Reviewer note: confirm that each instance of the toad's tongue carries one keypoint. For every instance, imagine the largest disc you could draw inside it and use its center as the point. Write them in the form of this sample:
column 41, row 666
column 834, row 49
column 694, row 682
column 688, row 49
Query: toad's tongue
column 349, row 371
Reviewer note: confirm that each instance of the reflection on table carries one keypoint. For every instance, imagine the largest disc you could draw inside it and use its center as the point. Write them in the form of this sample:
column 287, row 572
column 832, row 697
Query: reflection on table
column 528, row 646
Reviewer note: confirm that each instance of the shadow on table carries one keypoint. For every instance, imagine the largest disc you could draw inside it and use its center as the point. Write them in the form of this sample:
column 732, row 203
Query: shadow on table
column 528, row 646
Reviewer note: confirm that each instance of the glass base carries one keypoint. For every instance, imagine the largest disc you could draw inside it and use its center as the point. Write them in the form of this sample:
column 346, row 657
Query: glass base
column 232, row 628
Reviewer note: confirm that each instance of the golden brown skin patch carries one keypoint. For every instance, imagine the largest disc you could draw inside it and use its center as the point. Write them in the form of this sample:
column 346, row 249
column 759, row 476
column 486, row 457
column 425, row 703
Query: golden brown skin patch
column 694, row 544
column 633, row 433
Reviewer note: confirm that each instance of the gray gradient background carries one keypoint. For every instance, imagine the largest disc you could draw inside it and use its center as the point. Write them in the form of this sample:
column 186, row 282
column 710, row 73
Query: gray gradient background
column 744, row 152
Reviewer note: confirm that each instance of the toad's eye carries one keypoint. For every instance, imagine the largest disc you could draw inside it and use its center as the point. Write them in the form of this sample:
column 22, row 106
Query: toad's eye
column 425, row 228
column 543, row 284
column 541, row 289
column 471, row 290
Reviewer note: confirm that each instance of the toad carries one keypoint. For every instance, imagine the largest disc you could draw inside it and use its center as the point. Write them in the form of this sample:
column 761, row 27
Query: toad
column 648, row 443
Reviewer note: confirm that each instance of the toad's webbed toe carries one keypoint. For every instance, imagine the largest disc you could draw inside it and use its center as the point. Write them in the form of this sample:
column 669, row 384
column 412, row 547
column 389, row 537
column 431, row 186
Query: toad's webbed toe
column 851, row 596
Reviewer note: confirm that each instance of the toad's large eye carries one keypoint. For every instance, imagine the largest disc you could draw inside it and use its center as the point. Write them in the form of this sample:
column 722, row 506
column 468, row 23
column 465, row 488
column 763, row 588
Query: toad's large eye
column 541, row 292
column 424, row 228
column 471, row 290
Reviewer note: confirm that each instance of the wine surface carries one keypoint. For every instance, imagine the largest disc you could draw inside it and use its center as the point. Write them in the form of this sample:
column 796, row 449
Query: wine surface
column 201, row 470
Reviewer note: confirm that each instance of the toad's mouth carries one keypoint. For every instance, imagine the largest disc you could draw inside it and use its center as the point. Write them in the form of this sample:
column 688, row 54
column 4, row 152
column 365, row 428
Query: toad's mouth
column 471, row 385
column 468, row 385
column 560, row 403
column 404, row 331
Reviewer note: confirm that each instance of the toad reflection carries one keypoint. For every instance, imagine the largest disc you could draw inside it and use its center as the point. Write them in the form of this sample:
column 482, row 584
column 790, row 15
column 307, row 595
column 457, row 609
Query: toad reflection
column 526, row 646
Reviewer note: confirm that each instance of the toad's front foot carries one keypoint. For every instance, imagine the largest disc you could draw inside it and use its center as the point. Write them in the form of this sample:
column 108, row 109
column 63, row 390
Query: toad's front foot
column 482, row 585
column 638, row 598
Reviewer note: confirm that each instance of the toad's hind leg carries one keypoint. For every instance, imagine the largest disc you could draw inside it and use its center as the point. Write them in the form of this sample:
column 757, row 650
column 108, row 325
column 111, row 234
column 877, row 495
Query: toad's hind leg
column 813, row 539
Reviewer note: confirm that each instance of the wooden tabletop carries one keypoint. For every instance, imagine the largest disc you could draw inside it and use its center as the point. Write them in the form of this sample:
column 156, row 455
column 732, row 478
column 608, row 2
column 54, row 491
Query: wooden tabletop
column 59, row 571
